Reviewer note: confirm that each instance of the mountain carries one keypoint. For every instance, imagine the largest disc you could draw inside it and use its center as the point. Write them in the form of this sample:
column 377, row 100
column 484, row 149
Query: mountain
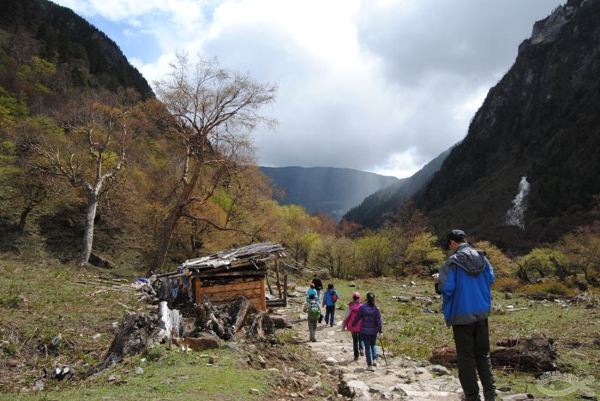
column 325, row 189
column 541, row 122
column 377, row 207
column 84, row 54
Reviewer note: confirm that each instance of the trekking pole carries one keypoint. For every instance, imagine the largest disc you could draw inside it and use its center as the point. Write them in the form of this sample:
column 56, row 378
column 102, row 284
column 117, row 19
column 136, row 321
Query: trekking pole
column 383, row 350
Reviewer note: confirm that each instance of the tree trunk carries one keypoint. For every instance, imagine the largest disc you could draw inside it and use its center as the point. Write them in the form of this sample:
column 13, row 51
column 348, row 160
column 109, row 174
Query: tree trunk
column 23, row 218
column 88, row 234
column 170, row 223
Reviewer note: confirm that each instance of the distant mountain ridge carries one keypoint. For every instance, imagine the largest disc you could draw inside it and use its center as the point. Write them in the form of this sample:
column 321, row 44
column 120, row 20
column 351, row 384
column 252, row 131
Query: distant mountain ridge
column 376, row 208
column 328, row 190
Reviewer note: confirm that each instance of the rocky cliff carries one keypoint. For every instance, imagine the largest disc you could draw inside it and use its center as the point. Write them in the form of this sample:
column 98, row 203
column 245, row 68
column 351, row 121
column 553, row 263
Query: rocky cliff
column 541, row 122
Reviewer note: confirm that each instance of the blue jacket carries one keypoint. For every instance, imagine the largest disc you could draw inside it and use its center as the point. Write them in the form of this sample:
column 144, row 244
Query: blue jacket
column 464, row 282
column 371, row 320
column 328, row 298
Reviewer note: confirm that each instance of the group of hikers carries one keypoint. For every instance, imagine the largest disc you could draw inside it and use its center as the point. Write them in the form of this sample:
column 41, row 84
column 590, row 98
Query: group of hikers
column 362, row 320
column 464, row 282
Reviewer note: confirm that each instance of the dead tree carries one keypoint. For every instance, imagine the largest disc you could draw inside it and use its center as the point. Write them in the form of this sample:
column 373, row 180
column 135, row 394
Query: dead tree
column 89, row 153
column 210, row 112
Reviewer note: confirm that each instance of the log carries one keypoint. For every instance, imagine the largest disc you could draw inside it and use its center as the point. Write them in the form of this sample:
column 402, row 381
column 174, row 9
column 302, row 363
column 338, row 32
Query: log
column 535, row 354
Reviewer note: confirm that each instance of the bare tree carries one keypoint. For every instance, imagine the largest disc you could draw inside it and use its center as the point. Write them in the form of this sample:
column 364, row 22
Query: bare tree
column 211, row 111
column 89, row 152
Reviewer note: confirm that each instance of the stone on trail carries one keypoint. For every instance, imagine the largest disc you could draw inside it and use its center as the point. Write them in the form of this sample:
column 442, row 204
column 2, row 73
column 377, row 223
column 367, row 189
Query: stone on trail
column 440, row 370
column 518, row 397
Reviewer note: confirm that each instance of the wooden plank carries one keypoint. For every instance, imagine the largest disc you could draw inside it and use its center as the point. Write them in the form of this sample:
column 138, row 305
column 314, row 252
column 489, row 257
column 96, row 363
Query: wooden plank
column 285, row 289
column 230, row 294
column 231, row 287
column 231, row 297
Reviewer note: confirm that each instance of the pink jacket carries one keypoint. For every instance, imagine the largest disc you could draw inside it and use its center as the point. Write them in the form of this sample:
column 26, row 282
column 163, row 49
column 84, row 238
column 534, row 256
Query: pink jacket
column 353, row 308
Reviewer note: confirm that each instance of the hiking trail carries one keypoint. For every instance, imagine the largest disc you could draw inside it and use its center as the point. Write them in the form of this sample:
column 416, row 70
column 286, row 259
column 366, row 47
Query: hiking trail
column 402, row 378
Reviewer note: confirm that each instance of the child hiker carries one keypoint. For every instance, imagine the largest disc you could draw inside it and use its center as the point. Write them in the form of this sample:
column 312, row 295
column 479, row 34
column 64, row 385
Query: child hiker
column 351, row 313
column 313, row 313
column 330, row 297
column 369, row 317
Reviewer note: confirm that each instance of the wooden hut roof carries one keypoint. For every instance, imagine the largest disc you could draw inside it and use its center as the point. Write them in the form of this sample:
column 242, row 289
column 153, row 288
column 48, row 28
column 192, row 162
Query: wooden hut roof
column 251, row 255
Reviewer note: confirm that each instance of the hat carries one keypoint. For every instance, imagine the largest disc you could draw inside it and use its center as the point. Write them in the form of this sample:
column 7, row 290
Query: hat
column 356, row 295
column 455, row 235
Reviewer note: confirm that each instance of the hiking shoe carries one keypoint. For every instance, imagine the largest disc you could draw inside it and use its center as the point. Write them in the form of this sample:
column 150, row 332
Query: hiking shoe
column 374, row 363
column 370, row 369
column 361, row 352
column 355, row 358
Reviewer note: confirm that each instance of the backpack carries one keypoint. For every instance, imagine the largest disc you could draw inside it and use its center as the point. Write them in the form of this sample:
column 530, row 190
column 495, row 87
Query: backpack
column 334, row 297
column 314, row 311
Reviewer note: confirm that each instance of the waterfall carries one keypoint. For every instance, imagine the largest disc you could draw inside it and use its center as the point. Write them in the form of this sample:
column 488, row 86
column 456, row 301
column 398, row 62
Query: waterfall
column 516, row 215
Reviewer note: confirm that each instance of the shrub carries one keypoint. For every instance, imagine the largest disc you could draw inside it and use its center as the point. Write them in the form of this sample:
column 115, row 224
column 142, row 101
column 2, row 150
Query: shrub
column 548, row 287
column 507, row 284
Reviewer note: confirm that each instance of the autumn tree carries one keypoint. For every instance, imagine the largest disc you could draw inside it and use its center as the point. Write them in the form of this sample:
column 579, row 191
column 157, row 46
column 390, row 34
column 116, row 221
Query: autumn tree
column 88, row 151
column 211, row 111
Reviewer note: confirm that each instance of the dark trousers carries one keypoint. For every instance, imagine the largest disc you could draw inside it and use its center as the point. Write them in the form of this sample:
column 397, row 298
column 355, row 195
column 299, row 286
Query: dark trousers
column 473, row 357
column 356, row 344
column 369, row 341
column 329, row 313
column 312, row 329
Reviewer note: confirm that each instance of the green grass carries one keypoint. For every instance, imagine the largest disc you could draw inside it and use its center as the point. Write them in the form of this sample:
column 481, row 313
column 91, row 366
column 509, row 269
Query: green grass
column 409, row 331
column 38, row 302
column 175, row 376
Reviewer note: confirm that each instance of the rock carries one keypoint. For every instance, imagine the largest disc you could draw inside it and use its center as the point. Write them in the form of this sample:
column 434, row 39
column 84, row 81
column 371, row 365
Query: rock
column 254, row 391
column 440, row 370
column 39, row 385
column 331, row 361
column 403, row 299
column 205, row 341
column 353, row 388
column 212, row 359
column 412, row 283
column 139, row 370
column 113, row 378
column 518, row 397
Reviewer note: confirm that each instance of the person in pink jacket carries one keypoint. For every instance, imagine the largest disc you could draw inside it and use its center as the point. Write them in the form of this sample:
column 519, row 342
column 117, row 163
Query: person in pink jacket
column 351, row 312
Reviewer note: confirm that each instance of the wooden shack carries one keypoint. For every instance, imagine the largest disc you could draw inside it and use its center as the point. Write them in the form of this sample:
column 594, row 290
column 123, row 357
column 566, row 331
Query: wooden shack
column 224, row 276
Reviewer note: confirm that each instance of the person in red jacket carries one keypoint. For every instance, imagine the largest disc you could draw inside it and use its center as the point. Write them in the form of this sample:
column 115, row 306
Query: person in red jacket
column 351, row 312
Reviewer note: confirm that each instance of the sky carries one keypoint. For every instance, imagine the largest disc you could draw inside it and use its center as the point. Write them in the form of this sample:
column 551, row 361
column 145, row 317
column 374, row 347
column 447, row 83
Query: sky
column 375, row 85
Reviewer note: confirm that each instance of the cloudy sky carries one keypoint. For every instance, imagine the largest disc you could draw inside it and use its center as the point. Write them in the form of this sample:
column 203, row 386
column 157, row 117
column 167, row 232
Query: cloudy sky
column 377, row 85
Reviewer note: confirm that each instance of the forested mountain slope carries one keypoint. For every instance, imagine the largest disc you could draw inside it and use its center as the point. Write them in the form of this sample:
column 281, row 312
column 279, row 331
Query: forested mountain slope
column 82, row 53
column 540, row 121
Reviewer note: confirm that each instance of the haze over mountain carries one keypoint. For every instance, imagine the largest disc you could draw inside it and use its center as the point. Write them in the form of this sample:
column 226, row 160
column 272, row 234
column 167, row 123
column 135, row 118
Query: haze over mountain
column 377, row 207
column 326, row 189
column 541, row 122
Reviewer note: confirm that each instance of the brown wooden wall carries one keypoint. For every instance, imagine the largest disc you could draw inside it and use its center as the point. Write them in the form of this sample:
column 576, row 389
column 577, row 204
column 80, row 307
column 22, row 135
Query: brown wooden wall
column 253, row 288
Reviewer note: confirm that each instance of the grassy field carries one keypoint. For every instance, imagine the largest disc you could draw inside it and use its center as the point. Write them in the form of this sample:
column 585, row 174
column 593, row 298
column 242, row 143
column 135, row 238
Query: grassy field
column 411, row 330
column 40, row 302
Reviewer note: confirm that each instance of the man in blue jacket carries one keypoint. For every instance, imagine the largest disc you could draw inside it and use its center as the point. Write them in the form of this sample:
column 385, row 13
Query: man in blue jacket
column 464, row 282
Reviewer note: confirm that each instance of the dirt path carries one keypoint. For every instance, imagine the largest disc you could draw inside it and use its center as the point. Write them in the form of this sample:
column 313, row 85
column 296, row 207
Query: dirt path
column 401, row 379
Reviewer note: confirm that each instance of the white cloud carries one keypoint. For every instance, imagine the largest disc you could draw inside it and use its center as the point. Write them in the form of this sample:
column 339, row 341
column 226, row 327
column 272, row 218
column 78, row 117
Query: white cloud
column 379, row 85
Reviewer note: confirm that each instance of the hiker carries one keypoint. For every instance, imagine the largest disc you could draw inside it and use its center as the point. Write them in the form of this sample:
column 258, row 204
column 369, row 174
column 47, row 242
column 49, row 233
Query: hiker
column 330, row 298
column 313, row 291
column 313, row 313
column 318, row 285
column 369, row 317
column 464, row 282
column 351, row 312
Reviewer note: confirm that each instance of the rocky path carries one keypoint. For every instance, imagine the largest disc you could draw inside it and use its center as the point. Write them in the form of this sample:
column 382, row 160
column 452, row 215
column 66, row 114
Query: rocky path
column 402, row 378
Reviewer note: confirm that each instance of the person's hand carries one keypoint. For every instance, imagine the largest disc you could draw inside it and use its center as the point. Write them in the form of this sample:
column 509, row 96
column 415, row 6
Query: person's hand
column 436, row 277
